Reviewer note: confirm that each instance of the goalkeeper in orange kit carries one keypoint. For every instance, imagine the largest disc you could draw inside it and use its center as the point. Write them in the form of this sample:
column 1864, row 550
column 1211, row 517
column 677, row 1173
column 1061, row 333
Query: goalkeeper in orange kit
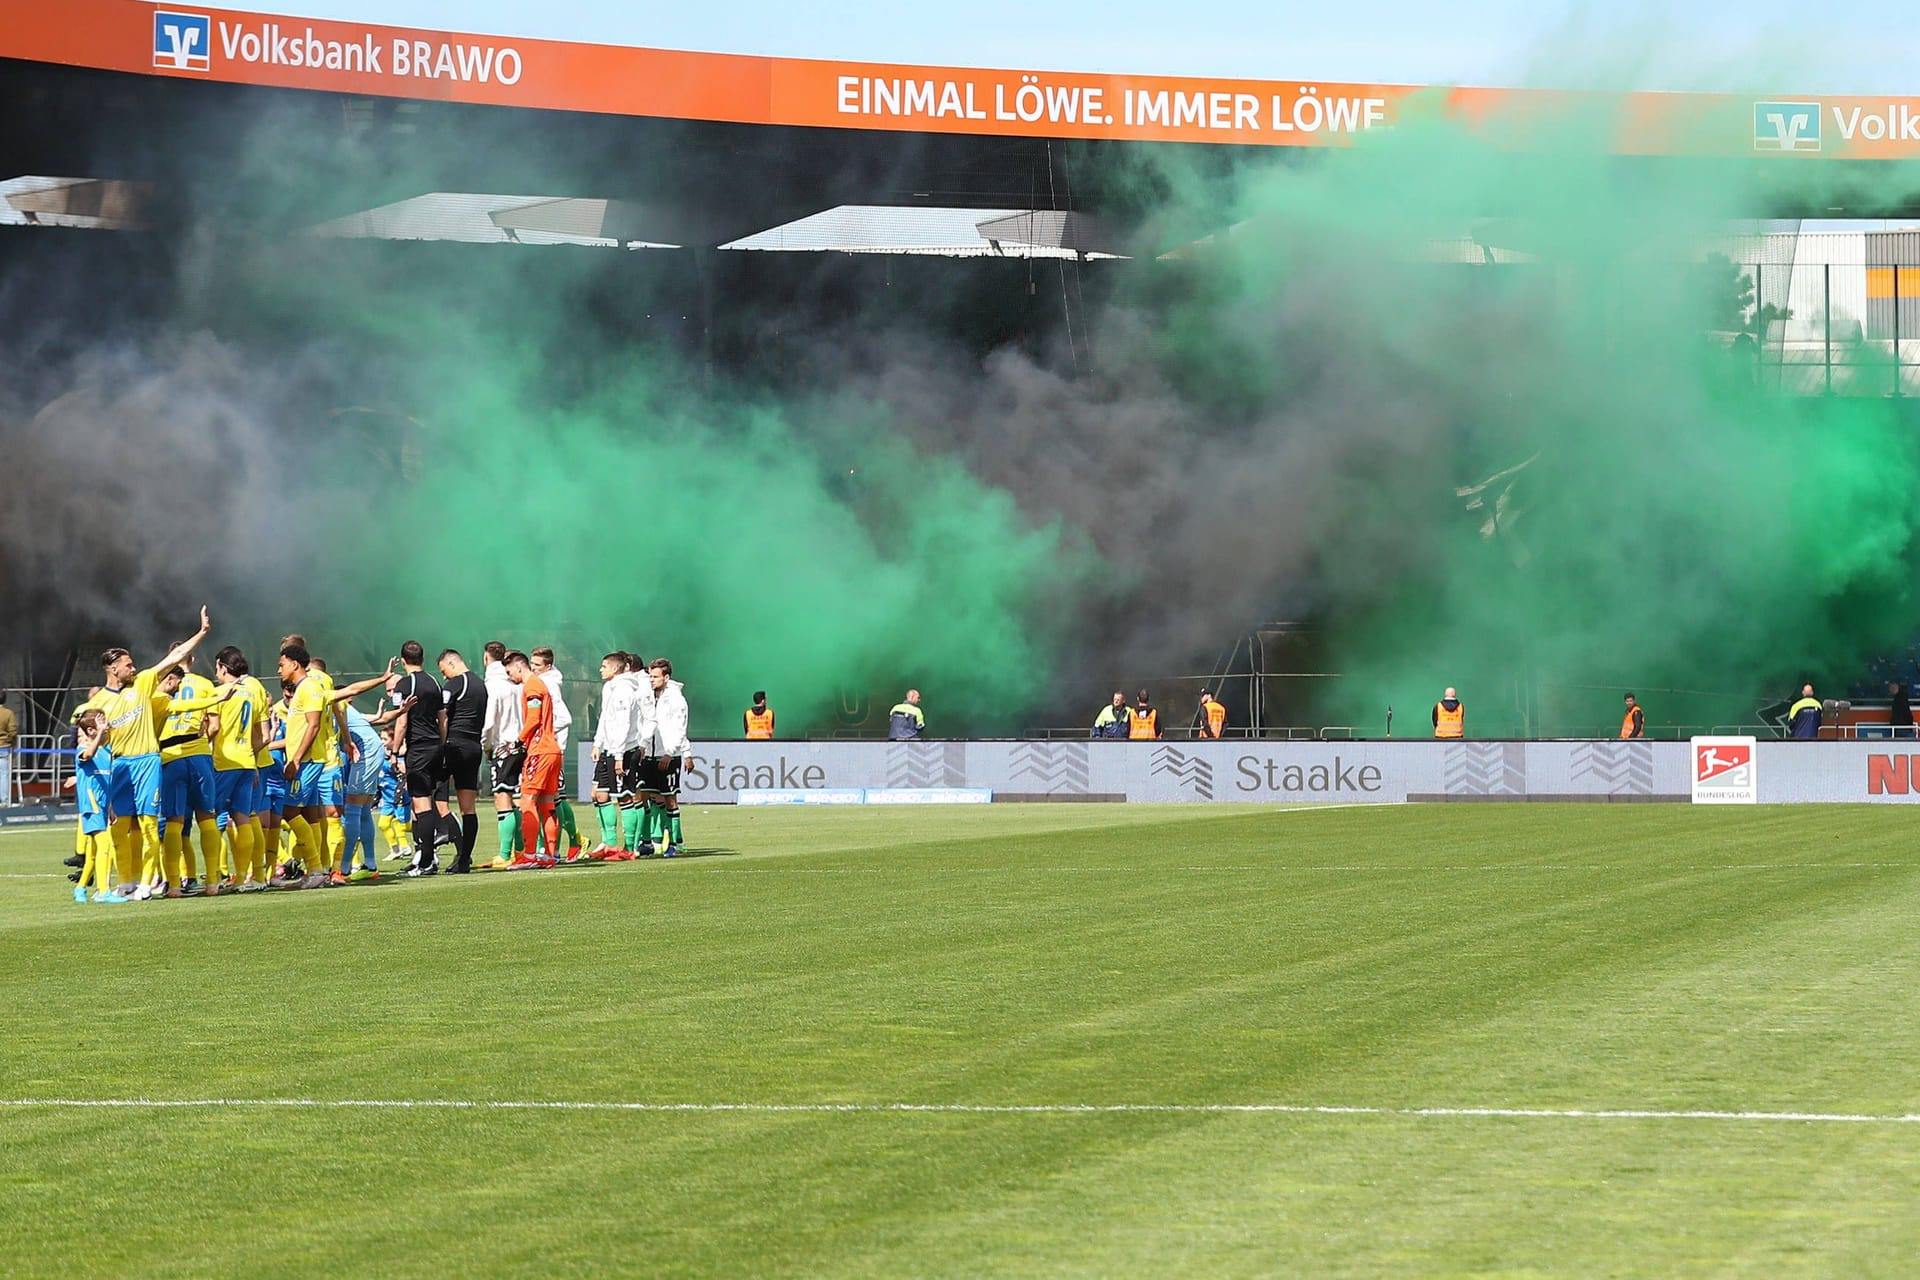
column 540, row 778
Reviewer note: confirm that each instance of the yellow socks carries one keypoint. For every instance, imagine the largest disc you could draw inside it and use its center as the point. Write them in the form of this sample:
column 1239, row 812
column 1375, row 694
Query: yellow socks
column 242, row 835
column 98, row 850
column 213, row 848
column 158, row 853
column 124, row 850
column 303, row 840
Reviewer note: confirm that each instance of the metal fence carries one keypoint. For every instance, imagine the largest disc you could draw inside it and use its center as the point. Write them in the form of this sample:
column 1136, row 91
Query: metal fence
column 41, row 765
column 1839, row 316
column 43, row 753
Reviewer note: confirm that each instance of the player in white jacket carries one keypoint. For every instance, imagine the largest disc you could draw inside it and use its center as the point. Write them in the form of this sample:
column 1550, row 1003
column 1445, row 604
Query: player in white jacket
column 616, row 754
column 664, row 746
column 500, row 735
column 543, row 667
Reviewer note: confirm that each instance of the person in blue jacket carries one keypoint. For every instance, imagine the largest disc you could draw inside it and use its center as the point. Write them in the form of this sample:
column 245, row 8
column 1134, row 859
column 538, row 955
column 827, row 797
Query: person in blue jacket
column 1803, row 719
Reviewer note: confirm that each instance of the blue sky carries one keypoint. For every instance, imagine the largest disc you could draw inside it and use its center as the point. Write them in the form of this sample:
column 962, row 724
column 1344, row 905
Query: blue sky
column 1869, row 46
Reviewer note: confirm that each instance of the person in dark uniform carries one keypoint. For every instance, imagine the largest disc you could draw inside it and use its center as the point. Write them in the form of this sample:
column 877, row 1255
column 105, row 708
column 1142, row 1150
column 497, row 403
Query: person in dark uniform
column 906, row 721
column 1113, row 719
column 1803, row 718
column 422, row 728
column 1900, row 710
column 465, row 697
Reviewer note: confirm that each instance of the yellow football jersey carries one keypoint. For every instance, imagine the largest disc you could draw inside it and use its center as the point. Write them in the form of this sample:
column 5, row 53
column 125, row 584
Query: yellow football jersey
column 330, row 722
column 311, row 696
column 233, row 739
column 129, row 712
column 186, row 718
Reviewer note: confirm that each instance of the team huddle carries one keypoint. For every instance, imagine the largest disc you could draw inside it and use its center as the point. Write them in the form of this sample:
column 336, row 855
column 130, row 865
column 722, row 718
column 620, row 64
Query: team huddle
column 290, row 792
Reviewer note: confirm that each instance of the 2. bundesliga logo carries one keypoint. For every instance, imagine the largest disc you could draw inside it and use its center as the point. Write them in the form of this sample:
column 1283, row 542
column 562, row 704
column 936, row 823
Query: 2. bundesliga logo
column 1786, row 126
column 182, row 41
column 1724, row 771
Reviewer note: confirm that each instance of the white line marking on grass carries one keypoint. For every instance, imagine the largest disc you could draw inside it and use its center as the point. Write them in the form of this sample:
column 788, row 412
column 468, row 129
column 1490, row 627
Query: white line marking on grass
column 961, row 1108
column 31, row 875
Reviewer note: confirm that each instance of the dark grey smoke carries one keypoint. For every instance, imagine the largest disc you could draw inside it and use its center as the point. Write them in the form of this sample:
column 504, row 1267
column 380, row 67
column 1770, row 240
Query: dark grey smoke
column 145, row 477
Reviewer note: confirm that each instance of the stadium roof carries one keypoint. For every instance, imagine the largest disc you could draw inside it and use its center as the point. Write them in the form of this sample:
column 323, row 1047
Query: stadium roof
column 473, row 218
column 955, row 233
column 89, row 203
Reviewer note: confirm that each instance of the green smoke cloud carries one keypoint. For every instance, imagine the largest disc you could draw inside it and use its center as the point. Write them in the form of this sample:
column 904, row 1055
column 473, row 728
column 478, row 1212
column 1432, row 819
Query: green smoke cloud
column 1535, row 472
column 530, row 475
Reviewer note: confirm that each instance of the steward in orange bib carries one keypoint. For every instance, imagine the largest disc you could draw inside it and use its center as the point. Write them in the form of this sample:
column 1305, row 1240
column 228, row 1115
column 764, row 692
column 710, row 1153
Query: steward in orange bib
column 1145, row 721
column 1213, row 716
column 759, row 718
column 1449, row 717
column 1634, row 724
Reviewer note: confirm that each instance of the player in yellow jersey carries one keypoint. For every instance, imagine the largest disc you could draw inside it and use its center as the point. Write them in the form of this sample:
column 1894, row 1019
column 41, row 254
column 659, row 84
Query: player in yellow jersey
column 186, row 778
column 333, row 773
column 328, row 832
column 126, row 701
column 239, row 753
column 309, row 723
column 274, row 794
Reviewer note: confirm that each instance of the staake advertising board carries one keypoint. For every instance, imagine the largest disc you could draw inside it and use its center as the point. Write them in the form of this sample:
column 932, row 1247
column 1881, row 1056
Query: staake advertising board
column 1295, row 772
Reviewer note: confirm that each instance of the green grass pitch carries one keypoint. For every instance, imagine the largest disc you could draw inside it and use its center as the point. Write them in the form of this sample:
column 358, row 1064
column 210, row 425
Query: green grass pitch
column 1425, row 966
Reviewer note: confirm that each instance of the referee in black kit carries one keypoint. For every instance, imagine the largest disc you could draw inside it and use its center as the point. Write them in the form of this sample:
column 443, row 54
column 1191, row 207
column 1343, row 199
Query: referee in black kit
column 423, row 738
column 465, row 696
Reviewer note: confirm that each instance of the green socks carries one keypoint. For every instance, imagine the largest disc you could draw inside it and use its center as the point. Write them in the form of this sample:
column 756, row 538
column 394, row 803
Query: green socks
column 640, row 824
column 509, row 833
column 609, row 815
column 568, row 827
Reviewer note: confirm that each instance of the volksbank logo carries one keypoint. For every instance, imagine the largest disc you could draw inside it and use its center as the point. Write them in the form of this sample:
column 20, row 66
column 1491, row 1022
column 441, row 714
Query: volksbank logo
column 1786, row 126
column 182, row 41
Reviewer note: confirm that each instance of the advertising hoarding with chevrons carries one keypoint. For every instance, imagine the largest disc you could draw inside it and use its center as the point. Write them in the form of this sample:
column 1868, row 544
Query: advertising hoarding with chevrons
column 1296, row 772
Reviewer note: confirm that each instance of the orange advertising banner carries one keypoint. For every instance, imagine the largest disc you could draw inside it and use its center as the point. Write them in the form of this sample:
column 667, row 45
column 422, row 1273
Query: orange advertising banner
column 237, row 47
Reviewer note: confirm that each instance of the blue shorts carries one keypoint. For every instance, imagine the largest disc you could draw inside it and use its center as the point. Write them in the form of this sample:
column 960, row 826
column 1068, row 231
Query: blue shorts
column 319, row 786
column 136, row 786
column 92, row 824
column 273, row 788
column 234, row 791
column 363, row 779
column 186, row 786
